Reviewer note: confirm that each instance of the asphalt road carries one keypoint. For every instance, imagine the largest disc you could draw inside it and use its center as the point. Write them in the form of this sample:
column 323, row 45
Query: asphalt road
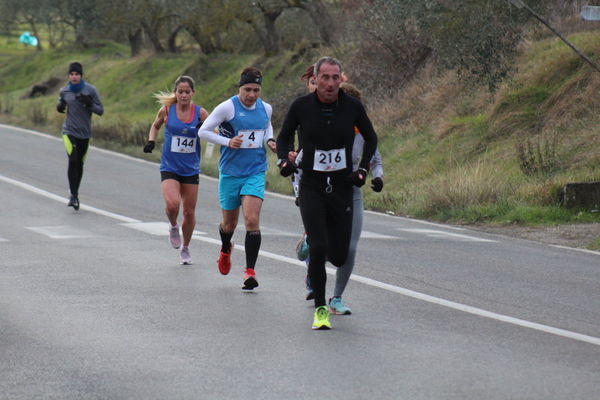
column 94, row 303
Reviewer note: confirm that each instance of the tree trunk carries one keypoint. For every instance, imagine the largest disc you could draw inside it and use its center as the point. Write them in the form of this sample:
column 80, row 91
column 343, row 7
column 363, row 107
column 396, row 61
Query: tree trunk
column 135, row 41
column 206, row 44
column 322, row 19
column 80, row 37
column 270, row 47
column 271, row 39
column 172, row 42
column 320, row 16
column 152, row 33
column 50, row 27
column 35, row 33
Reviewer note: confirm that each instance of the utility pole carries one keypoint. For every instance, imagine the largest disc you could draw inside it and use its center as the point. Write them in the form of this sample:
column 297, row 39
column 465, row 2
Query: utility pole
column 520, row 4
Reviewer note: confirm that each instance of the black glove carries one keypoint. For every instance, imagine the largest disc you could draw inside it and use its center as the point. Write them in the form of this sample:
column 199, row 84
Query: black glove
column 86, row 100
column 359, row 177
column 61, row 107
column 149, row 146
column 377, row 184
column 287, row 167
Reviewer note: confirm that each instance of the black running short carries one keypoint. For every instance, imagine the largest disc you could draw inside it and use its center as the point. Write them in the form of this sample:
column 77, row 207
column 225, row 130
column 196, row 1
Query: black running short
column 192, row 179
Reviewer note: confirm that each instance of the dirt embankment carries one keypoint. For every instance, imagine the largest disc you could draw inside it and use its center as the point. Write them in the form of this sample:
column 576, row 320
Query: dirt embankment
column 571, row 235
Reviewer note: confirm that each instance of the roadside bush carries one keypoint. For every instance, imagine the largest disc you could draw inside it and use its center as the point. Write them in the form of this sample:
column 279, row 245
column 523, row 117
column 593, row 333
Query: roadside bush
column 538, row 156
column 468, row 185
column 540, row 192
column 122, row 132
column 37, row 114
column 6, row 105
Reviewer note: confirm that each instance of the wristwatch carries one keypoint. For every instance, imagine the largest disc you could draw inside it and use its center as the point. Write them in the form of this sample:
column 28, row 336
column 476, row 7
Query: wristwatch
column 281, row 161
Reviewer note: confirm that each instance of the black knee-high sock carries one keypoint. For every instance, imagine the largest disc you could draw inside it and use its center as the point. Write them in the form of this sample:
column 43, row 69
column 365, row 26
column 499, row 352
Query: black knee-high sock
column 252, row 245
column 225, row 240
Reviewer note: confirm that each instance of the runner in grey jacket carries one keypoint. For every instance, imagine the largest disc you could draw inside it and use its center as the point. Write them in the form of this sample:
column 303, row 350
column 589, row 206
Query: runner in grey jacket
column 79, row 99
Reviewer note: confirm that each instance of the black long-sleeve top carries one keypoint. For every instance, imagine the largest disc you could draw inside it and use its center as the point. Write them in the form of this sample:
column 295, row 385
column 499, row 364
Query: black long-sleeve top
column 326, row 126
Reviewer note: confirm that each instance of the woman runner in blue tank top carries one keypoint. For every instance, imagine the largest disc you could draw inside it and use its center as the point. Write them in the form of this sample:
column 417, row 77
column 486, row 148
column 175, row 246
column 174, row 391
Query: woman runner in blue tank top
column 180, row 160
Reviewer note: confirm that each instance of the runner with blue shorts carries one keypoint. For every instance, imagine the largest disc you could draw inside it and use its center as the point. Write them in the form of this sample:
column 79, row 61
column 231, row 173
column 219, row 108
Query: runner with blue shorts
column 244, row 125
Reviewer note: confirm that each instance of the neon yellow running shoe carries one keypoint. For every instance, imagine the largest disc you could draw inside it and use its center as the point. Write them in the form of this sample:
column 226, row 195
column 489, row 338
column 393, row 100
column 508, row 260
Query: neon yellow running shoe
column 321, row 319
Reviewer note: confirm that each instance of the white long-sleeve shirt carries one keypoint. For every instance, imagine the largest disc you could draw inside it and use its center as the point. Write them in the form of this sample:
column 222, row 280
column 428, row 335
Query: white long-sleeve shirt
column 226, row 112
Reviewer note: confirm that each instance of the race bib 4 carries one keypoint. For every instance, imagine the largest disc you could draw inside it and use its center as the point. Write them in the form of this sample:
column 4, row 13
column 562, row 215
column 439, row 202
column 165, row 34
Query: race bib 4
column 252, row 138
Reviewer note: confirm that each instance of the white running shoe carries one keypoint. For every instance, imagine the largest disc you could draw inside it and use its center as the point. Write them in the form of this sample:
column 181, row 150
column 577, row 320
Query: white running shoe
column 186, row 258
column 174, row 237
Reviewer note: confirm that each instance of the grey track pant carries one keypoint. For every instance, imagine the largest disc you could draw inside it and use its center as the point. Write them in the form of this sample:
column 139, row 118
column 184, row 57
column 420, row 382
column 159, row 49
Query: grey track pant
column 342, row 275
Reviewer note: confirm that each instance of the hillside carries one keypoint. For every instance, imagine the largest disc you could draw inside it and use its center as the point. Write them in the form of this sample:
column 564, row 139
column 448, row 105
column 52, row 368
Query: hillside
column 462, row 153
column 452, row 151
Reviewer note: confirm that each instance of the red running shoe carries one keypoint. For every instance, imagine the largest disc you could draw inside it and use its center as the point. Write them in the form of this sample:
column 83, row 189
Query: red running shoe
column 224, row 261
column 250, row 281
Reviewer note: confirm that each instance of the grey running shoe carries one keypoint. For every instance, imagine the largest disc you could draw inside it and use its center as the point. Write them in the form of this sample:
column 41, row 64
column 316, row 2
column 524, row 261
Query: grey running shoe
column 186, row 258
column 338, row 307
column 302, row 249
column 310, row 293
column 174, row 237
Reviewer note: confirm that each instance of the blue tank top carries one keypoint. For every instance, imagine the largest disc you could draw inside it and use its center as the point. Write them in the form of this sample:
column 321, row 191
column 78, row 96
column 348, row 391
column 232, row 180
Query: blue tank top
column 244, row 161
column 181, row 147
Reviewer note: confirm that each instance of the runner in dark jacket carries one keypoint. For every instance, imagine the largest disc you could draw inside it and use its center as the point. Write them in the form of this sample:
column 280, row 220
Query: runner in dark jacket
column 79, row 100
column 325, row 121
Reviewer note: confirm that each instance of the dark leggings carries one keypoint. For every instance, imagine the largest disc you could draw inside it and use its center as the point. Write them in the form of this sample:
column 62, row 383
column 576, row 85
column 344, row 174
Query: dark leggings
column 76, row 150
column 327, row 219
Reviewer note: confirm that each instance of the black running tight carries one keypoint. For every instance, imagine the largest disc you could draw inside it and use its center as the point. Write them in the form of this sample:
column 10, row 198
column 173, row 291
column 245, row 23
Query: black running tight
column 76, row 150
column 327, row 219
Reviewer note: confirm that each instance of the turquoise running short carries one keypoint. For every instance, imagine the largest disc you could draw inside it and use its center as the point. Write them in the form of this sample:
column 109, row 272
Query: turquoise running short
column 231, row 188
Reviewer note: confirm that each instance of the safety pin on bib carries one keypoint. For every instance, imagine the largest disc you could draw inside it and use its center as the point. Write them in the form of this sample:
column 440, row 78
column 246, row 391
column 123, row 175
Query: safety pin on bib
column 329, row 187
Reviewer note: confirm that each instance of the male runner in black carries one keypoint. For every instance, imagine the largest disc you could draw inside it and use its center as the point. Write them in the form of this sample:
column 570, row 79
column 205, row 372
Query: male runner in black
column 325, row 121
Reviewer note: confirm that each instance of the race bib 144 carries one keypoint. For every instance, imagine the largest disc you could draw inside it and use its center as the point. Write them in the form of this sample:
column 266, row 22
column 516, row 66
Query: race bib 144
column 182, row 144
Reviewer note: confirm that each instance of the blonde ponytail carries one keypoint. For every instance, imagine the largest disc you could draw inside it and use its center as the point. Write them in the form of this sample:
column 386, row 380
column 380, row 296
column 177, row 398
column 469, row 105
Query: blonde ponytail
column 168, row 98
column 165, row 98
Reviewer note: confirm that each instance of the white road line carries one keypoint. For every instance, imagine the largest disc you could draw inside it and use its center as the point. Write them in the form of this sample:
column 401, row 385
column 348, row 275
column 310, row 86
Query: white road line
column 436, row 300
column 98, row 149
column 410, row 220
column 367, row 281
column 61, row 199
column 445, row 235
column 576, row 249
column 61, row 232
column 480, row 312
column 155, row 228
column 372, row 235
